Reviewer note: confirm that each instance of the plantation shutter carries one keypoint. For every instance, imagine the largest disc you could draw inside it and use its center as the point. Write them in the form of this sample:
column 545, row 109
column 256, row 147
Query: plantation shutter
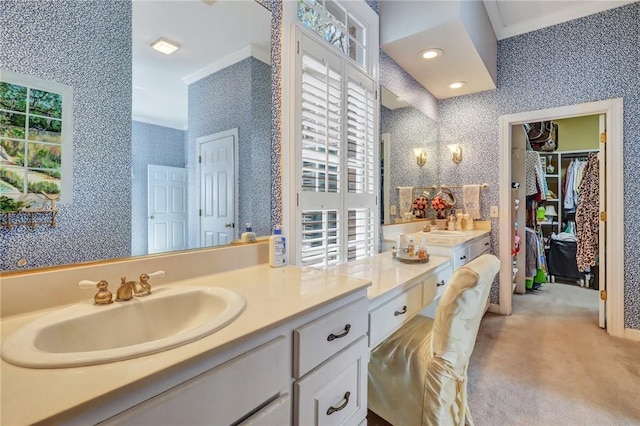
column 335, row 107
column 362, row 166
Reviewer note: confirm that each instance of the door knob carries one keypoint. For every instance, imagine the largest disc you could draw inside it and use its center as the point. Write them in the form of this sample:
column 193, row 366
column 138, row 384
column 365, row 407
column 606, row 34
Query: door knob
column 152, row 217
column 228, row 225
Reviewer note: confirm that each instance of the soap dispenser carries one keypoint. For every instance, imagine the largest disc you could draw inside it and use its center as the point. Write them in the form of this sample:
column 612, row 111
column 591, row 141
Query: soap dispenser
column 277, row 248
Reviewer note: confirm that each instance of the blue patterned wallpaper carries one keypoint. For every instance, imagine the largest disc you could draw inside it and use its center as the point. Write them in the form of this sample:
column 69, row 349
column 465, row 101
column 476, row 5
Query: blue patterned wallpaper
column 587, row 59
column 85, row 45
column 151, row 144
column 222, row 101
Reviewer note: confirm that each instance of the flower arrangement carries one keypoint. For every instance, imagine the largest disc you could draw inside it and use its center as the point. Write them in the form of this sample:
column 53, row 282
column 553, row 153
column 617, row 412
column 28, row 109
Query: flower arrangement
column 440, row 206
column 420, row 206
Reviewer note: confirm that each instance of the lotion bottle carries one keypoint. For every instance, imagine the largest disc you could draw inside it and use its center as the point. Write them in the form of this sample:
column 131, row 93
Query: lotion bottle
column 277, row 248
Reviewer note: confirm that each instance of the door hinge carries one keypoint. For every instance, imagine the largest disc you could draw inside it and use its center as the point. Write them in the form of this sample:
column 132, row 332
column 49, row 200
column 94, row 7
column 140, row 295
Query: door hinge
column 200, row 159
column 297, row 199
column 603, row 137
column 603, row 216
column 199, row 212
column 603, row 294
column 298, row 47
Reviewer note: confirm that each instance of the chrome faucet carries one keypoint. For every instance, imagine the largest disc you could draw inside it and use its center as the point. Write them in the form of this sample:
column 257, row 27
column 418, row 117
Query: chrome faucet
column 128, row 289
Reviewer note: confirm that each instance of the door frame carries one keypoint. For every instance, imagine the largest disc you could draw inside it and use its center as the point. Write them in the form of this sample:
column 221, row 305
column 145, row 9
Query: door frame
column 614, row 260
column 236, row 190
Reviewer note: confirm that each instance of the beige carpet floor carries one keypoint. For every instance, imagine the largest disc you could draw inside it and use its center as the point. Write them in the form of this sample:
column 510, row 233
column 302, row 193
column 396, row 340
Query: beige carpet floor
column 549, row 364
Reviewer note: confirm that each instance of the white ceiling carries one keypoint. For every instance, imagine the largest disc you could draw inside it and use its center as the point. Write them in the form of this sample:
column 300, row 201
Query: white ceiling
column 212, row 36
column 464, row 59
column 215, row 34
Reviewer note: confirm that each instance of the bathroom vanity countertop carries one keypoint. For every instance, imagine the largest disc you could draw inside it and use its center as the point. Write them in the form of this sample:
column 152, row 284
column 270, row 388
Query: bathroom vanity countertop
column 273, row 296
column 389, row 276
column 449, row 241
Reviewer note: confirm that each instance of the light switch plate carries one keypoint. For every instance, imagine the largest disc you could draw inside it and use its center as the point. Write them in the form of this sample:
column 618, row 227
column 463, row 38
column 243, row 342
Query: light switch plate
column 392, row 210
column 494, row 211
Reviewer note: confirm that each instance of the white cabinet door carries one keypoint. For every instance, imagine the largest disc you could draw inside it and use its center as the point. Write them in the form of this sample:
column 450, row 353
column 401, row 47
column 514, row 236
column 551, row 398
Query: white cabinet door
column 220, row 396
column 336, row 392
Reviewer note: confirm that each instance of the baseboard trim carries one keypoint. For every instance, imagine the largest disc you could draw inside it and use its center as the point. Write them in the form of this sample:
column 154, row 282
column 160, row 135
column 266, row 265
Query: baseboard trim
column 631, row 334
column 494, row 308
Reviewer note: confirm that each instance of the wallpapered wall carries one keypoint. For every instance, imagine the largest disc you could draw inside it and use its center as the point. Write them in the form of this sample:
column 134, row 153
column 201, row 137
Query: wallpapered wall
column 151, row 144
column 85, row 45
column 588, row 59
column 238, row 96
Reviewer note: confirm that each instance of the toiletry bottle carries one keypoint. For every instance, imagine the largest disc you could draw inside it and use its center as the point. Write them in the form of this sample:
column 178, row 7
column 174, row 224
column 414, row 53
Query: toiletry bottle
column 277, row 248
column 248, row 236
column 411, row 248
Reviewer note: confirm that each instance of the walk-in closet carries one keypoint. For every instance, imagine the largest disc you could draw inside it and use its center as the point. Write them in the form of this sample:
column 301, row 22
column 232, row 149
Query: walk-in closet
column 555, row 193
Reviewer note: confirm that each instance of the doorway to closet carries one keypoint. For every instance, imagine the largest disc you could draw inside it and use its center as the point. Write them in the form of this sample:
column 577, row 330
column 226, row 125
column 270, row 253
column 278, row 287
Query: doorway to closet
column 549, row 161
column 611, row 247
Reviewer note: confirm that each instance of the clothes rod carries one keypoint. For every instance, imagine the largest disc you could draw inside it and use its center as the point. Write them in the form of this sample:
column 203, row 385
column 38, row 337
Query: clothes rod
column 482, row 186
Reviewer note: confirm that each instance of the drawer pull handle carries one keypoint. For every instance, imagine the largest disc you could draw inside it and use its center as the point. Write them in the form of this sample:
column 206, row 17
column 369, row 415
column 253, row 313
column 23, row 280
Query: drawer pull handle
column 440, row 284
column 463, row 257
column 486, row 244
column 402, row 312
column 337, row 336
column 332, row 410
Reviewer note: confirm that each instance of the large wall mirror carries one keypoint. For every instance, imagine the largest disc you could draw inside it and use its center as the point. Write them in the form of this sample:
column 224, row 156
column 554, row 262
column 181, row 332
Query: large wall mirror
column 139, row 113
column 405, row 131
column 201, row 124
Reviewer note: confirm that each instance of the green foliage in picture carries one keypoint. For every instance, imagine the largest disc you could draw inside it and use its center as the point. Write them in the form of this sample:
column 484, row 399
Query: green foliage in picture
column 13, row 97
column 45, row 103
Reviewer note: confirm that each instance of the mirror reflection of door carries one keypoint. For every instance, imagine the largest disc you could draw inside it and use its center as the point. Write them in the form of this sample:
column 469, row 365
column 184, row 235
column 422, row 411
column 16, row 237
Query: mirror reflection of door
column 217, row 177
column 167, row 208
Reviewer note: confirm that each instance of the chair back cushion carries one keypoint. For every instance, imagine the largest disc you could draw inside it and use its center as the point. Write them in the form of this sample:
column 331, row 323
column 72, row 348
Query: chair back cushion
column 460, row 310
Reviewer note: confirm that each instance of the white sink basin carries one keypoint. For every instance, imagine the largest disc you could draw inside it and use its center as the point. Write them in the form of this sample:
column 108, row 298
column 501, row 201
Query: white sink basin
column 442, row 233
column 86, row 334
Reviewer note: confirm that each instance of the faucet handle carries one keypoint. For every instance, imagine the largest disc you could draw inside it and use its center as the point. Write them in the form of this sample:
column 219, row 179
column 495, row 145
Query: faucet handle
column 103, row 296
column 157, row 274
column 86, row 284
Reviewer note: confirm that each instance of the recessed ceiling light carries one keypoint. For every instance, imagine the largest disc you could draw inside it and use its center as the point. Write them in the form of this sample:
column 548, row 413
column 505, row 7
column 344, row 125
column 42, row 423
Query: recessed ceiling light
column 431, row 53
column 165, row 46
column 457, row 84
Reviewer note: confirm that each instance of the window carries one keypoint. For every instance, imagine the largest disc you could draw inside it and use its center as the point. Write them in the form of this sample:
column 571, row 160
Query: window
column 35, row 136
column 335, row 25
column 336, row 109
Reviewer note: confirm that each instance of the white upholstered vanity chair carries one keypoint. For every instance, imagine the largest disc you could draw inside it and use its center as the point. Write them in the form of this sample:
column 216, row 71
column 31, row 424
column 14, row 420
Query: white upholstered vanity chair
column 418, row 376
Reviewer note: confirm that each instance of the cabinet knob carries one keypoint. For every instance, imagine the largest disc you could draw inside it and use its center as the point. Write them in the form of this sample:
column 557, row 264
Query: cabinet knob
column 402, row 312
column 332, row 336
column 332, row 409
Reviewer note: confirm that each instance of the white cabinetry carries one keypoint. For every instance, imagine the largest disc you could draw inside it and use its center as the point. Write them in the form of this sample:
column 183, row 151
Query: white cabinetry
column 460, row 254
column 330, row 367
column 328, row 371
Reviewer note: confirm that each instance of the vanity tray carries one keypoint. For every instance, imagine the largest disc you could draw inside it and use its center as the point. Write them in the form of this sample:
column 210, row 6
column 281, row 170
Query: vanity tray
column 411, row 259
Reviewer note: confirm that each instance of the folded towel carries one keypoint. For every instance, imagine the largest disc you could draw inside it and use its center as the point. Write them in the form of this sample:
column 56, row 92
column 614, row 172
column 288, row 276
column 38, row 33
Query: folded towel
column 405, row 195
column 471, row 199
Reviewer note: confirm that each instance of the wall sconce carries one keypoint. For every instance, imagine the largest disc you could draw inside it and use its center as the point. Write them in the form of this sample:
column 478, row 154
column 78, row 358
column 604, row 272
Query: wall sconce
column 421, row 156
column 456, row 153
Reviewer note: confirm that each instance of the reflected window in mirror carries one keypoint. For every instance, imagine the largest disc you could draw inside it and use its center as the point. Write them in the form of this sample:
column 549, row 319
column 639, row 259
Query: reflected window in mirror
column 36, row 138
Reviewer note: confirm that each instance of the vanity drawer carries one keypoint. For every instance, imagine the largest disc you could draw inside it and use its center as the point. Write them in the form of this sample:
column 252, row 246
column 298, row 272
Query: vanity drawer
column 479, row 247
column 318, row 340
column 460, row 257
column 442, row 280
column 385, row 319
column 335, row 393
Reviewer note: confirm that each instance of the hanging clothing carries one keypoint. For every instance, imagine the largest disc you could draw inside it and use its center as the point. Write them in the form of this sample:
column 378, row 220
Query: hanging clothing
column 536, row 183
column 535, row 258
column 587, row 214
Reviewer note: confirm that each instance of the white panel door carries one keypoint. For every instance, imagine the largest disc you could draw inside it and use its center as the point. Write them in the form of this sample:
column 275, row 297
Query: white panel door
column 167, row 208
column 217, row 177
column 602, row 236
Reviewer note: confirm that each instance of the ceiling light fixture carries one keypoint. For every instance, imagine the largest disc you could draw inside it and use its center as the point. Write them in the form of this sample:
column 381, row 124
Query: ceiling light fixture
column 457, row 84
column 165, row 46
column 431, row 53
